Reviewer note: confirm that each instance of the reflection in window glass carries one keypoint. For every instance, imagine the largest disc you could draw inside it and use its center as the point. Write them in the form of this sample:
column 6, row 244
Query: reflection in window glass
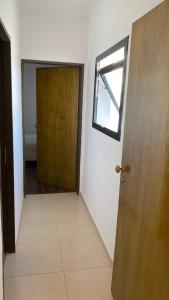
column 112, row 58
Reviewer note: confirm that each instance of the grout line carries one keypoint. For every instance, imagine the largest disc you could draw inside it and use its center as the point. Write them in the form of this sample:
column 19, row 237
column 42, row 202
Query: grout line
column 57, row 228
column 57, row 272
column 87, row 268
column 66, row 285
column 61, row 254
column 36, row 239
column 58, row 239
column 60, row 250
column 31, row 275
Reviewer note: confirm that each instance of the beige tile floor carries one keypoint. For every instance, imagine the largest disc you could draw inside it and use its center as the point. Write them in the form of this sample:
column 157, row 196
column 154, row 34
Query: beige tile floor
column 59, row 254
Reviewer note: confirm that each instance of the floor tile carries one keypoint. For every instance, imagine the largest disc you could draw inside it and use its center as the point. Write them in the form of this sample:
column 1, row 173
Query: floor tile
column 56, row 234
column 89, row 284
column 41, row 287
column 38, row 226
column 37, row 204
column 34, row 257
column 68, row 203
column 75, row 223
column 83, row 252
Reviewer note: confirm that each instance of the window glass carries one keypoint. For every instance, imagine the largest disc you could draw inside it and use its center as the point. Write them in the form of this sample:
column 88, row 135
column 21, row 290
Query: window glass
column 112, row 58
column 107, row 113
column 114, row 80
column 109, row 90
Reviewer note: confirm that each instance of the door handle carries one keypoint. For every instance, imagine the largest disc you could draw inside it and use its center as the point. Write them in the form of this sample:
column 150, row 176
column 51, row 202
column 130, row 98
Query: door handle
column 37, row 125
column 123, row 169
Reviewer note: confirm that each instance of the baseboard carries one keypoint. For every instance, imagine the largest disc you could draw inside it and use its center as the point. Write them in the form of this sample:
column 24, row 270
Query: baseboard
column 101, row 239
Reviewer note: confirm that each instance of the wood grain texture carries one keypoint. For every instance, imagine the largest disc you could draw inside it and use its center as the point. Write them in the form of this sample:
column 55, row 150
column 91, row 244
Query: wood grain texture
column 141, row 263
column 57, row 118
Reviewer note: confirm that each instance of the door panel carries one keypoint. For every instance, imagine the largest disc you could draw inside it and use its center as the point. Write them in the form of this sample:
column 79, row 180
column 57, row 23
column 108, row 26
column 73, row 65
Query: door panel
column 6, row 136
column 57, row 119
column 141, row 263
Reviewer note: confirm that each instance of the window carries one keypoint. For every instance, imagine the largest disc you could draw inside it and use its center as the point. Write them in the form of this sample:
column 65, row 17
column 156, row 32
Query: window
column 110, row 74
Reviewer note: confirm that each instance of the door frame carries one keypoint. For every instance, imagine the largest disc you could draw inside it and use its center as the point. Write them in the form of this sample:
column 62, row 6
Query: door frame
column 80, row 108
column 7, row 163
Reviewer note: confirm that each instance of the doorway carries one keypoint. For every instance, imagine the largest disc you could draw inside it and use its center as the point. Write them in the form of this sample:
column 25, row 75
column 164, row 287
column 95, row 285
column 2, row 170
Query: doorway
column 52, row 114
column 6, row 144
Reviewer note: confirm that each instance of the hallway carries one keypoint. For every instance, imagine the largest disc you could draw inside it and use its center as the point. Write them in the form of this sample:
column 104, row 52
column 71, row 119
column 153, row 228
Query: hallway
column 59, row 253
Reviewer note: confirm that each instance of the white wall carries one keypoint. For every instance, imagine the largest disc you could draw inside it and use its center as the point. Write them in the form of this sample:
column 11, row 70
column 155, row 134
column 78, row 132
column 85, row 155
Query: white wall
column 10, row 17
column 29, row 98
column 110, row 21
column 53, row 37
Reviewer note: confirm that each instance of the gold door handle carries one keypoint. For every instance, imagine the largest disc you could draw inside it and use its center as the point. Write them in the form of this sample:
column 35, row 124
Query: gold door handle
column 124, row 169
column 36, row 125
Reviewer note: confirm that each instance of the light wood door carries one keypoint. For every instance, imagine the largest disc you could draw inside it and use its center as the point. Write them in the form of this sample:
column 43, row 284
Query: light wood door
column 141, row 262
column 57, row 122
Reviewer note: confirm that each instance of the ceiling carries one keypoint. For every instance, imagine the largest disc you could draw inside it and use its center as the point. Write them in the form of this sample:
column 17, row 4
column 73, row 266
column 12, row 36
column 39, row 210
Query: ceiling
column 58, row 6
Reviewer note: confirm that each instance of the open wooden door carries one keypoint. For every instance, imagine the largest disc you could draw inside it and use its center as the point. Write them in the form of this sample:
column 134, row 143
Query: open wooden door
column 6, row 144
column 57, row 122
column 141, row 263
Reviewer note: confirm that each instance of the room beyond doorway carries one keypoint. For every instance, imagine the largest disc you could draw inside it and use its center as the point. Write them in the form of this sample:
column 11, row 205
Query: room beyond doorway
column 52, row 113
column 31, row 184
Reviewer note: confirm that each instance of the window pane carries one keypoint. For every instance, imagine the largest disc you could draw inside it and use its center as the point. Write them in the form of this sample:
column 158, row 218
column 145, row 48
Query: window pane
column 114, row 80
column 112, row 58
column 110, row 72
column 107, row 113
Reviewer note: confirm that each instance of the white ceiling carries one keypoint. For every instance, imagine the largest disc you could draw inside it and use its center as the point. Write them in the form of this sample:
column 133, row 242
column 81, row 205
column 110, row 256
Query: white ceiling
column 58, row 6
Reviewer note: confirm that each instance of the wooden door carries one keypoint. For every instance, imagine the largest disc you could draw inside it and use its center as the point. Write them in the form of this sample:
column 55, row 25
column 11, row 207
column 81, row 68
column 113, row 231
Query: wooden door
column 57, row 119
column 1, row 133
column 141, row 263
column 6, row 143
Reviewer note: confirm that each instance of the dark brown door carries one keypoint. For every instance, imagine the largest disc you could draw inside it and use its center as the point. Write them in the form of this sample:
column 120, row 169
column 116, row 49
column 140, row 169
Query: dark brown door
column 1, row 106
column 6, row 143
column 57, row 118
column 141, row 263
